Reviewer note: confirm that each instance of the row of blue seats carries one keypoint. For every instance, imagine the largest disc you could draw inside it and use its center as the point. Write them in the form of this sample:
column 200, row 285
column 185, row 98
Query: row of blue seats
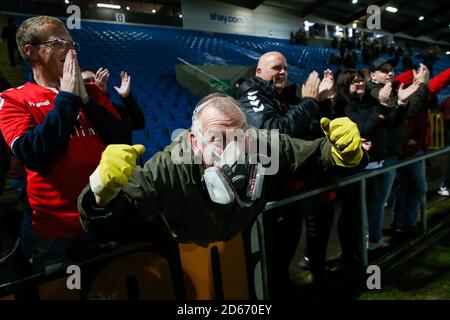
column 150, row 55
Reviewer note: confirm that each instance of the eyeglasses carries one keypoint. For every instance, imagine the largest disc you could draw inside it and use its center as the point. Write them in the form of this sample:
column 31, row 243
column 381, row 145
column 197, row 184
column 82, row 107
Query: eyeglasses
column 357, row 81
column 62, row 43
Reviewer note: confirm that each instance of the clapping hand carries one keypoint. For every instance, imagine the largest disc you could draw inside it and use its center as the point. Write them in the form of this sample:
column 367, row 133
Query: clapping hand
column 385, row 93
column 101, row 78
column 423, row 75
column 310, row 89
column 326, row 86
column 404, row 94
column 125, row 85
column 69, row 81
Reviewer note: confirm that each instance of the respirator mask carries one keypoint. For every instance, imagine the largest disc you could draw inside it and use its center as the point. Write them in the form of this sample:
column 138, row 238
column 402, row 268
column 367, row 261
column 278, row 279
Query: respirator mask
column 234, row 177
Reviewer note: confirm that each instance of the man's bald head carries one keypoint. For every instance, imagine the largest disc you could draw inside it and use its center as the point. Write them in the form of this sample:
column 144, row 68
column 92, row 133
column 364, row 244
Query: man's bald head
column 273, row 66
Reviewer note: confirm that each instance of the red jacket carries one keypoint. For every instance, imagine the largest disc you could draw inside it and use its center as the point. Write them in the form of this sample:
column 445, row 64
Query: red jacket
column 437, row 83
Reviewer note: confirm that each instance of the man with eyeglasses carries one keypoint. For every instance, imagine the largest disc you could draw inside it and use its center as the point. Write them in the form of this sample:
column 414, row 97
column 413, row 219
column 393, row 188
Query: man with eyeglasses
column 58, row 127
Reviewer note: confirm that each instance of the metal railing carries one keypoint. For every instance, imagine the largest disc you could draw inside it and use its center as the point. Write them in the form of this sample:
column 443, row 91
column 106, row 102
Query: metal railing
column 361, row 179
column 357, row 178
column 226, row 87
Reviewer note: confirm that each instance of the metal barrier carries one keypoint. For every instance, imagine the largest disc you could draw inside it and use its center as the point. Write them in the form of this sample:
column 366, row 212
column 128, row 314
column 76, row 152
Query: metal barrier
column 219, row 84
column 361, row 179
column 178, row 271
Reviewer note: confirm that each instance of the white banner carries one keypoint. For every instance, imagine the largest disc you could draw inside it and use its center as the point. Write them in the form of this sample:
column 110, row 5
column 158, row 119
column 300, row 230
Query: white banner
column 214, row 16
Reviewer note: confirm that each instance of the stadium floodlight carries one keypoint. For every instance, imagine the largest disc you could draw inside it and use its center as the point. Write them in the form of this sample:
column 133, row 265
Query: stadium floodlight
column 153, row 11
column 181, row 16
column 354, row 1
column 66, row 1
column 448, row 52
column 421, row 18
column 108, row 6
column 392, row 9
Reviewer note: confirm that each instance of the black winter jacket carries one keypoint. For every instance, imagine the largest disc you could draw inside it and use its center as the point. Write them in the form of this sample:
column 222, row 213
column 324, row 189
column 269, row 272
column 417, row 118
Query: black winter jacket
column 396, row 130
column 371, row 118
column 264, row 109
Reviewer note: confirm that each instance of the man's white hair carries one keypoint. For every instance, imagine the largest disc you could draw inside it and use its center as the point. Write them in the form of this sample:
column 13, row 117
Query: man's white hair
column 219, row 101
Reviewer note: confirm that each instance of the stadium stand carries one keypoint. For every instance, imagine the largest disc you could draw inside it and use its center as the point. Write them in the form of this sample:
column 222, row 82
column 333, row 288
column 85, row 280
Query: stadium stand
column 152, row 65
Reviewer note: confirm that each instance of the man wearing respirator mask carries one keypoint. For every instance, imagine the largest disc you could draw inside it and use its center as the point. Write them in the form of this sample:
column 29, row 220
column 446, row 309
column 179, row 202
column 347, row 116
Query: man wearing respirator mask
column 210, row 183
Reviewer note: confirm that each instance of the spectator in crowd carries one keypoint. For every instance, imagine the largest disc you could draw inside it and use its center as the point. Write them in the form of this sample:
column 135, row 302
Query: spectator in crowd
column 130, row 110
column 168, row 192
column 412, row 179
column 262, row 95
column 9, row 35
column 58, row 128
column 408, row 102
column 371, row 115
column 270, row 104
column 436, row 84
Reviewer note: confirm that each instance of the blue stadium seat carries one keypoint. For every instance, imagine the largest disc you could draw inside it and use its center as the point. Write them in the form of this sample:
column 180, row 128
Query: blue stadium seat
column 152, row 62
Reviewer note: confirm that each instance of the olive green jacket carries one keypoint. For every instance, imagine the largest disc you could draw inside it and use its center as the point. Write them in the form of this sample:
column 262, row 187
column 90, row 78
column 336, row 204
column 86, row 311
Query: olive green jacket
column 168, row 198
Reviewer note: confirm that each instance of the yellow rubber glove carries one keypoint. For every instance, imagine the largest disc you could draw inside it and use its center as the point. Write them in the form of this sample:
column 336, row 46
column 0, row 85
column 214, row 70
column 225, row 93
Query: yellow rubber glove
column 115, row 168
column 345, row 139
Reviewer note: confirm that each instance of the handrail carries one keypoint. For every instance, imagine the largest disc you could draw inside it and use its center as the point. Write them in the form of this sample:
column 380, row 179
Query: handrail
column 351, row 179
column 361, row 178
column 226, row 85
